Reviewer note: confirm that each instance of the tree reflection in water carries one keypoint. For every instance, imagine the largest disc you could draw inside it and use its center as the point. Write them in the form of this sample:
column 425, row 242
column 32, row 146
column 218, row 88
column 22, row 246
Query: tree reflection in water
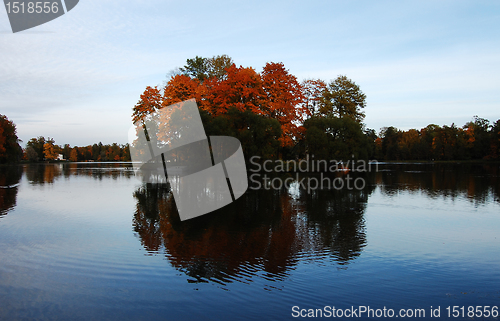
column 9, row 181
column 48, row 173
column 478, row 183
column 41, row 173
column 265, row 233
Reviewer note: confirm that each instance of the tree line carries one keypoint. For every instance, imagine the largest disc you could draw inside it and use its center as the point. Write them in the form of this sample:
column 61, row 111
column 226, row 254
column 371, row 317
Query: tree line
column 477, row 139
column 39, row 149
column 45, row 149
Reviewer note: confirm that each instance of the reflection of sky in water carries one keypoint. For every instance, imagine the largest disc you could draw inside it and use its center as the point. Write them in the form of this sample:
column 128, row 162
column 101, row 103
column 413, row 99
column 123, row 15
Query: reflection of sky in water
column 294, row 190
column 410, row 224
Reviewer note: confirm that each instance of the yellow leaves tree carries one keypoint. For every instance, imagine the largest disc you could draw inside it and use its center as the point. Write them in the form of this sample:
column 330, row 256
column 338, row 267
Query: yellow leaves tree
column 313, row 90
column 49, row 150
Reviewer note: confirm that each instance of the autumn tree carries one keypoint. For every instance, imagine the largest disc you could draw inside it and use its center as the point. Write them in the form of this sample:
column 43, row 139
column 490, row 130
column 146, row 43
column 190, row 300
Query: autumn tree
column 113, row 152
column 86, row 152
column 125, row 153
column 96, row 151
column 180, row 88
column 407, row 143
column 50, row 151
column 478, row 137
column 343, row 98
column 217, row 66
column 151, row 101
column 313, row 90
column 74, row 154
column 10, row 151
column 241, row 89
column 283, row 101
column 449, row 143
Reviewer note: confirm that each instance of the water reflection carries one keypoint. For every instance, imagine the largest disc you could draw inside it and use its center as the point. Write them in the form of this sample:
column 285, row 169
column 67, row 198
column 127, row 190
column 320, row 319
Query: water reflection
column 40, row 174
column 9, row 181
column 337, row 218
column 265, row 233
column 479, row 183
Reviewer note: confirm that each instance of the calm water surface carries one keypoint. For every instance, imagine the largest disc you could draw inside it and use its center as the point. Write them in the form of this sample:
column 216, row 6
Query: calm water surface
column 90, row 241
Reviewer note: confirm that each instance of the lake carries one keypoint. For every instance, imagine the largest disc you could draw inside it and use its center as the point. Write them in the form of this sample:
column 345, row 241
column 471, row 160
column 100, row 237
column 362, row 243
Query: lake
column 86, row 241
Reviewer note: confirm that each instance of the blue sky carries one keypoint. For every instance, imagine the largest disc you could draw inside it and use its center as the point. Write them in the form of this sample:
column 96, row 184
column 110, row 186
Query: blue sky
column 77, row 78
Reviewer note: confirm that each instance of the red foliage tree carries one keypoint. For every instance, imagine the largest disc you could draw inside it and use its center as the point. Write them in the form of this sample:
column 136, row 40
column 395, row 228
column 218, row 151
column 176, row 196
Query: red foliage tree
column 150, row 102
column 241, row 89
column 284, row 101
column 180, row 88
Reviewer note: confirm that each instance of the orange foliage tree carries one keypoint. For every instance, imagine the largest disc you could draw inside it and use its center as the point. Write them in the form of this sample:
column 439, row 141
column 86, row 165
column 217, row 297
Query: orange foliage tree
column 240, row 89
column 151, row 101
column 283, row 101
column 180, row 88
column 49, row 150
